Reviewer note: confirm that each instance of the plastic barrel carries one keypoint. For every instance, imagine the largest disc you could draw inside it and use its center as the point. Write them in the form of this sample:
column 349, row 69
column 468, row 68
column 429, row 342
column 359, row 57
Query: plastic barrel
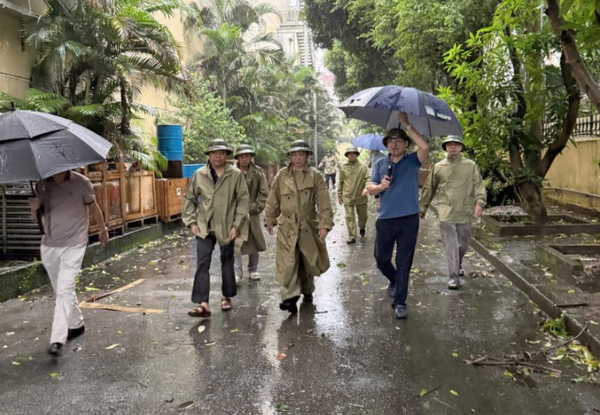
column 170, row 141
column 190, row 169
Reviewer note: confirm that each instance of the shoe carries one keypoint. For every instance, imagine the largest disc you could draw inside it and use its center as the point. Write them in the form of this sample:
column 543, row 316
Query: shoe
column 391, row 290
column 454, row 282
column 55, row 349
column 350, row 241
column 308, row 298
column 401, row 312
column 362, row 233
column 238, row 279
column 461, row 273
column 74, row 333
column 255, row 276
column 290, row 305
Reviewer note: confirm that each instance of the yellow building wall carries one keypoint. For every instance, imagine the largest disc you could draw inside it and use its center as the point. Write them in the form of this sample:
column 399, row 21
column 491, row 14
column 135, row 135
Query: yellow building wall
column 577, row 168
column 15, row 64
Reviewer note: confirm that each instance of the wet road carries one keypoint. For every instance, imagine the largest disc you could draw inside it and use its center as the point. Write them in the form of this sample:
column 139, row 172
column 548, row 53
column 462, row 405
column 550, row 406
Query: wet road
column 346, row 354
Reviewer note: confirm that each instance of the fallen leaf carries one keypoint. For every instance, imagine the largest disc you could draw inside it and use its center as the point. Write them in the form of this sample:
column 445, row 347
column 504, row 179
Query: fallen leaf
column 208, row 344
column 595, row 323
column 185, row 405
column 281, row 407
column 509, row 374
column 341, row 265
column 112, row 346
column 54, row 375
column 201, row 329
column 571, row 291
column 453, row 392
column 16, row 363
column 281, row 356
column 233, row 330
column 92, row 289
column 423, row 392
column 454, row 354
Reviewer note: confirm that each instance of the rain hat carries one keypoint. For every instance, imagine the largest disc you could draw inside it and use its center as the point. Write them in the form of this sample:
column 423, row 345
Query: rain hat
column 395, row 132
column 351, row 150
column 243, row 149
column 218, row 144
column 453, row 139
column 299, row 145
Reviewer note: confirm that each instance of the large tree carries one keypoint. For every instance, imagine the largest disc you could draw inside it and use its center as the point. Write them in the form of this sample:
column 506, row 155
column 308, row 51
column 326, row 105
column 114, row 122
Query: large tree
column 577, row 27
column 506, row 92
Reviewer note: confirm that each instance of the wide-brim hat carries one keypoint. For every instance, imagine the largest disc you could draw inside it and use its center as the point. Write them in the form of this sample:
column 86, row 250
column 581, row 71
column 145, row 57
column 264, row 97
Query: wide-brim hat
column 218, row 144
column 244, row 149
column 299, row 145
column 453, row 139
column 351, row 150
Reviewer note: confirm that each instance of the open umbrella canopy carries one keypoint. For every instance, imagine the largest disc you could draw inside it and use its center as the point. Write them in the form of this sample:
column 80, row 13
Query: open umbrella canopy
column 36, row 145
column 369, row 142
column 428, row 114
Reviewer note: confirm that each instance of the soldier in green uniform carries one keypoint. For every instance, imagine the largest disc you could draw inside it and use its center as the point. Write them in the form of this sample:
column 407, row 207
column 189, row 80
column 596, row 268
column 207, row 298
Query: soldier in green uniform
column 354, row 177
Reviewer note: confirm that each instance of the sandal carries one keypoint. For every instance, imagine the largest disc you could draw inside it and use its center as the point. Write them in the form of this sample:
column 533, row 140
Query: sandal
column 200, row 311
column 226, row 304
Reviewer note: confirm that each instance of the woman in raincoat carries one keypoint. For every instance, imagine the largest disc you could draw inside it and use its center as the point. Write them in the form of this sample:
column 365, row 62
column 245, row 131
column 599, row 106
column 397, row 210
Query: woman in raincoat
column 300, row 206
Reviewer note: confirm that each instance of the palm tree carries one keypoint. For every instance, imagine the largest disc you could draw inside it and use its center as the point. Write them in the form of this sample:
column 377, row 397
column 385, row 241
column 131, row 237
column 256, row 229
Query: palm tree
column 240, row 13
column 91, row 52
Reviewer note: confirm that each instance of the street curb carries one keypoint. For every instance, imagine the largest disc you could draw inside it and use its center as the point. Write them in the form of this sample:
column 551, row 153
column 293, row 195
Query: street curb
column 574, row 324
column 20, row 280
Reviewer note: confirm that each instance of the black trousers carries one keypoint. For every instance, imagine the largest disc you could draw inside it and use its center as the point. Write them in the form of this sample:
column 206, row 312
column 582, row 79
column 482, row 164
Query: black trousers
column 204, row 250
column 330, row 178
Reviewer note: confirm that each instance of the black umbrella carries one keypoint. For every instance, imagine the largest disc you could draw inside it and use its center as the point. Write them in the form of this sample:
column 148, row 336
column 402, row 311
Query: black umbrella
column 36, row 145
column 429, row 114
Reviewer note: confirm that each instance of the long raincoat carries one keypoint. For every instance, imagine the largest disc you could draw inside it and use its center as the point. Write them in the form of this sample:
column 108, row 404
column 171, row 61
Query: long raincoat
column 216, row 207
column 299, row 204
column 251, row 237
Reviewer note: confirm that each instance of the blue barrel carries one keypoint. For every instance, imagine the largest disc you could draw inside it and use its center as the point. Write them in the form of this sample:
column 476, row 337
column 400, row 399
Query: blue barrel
column 190, row 169
column 170, row 141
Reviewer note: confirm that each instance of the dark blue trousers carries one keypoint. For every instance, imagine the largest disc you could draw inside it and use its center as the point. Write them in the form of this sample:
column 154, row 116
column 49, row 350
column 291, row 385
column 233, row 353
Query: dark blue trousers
column 400, row 233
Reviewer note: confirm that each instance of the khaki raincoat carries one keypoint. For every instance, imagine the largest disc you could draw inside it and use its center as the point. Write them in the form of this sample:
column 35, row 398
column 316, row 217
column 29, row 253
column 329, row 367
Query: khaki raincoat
column 216, row 207
column 329, row 164
column 353, row 179
column 458, row 185
column 251, row 237
column 299, row 204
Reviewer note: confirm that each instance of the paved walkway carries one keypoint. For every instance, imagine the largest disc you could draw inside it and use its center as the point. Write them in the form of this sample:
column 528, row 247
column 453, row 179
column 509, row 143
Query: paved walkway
column 346, row 354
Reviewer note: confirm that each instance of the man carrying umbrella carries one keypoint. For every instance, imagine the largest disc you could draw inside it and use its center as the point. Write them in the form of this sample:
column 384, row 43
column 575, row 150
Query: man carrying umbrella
column 251, row 240
column 329, row 164
column 396, row 180
column 299, row 204
column 462, row 197
column 354, row 177
column 214, row 207
column 66, row 200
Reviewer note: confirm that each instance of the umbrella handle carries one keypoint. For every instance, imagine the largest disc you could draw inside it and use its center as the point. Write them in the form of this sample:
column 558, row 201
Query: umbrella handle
column 38, row 212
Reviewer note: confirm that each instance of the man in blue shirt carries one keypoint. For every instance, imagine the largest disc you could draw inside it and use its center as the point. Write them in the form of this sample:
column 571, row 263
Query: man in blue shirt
column 396, row 180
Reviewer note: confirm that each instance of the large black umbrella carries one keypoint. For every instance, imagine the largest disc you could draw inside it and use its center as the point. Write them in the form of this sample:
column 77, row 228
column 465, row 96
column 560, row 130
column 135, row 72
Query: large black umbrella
column 36, row 145
column 427, row 113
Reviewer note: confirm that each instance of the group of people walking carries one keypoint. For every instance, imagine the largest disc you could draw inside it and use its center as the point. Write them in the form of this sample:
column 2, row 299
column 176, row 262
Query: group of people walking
column 219, row 208
column 223, row 204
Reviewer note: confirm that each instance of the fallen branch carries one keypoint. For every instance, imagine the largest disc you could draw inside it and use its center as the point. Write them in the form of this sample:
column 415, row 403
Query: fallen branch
column 95, row 298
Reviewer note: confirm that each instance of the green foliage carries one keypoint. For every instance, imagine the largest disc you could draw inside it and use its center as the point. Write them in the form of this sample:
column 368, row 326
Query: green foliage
column 204, row 118
column 556, row 327
column 504, row 92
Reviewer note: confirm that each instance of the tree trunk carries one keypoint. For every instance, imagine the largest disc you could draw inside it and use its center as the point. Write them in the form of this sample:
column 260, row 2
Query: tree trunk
column 125, row 109
column 567, row 39
column 533, row 203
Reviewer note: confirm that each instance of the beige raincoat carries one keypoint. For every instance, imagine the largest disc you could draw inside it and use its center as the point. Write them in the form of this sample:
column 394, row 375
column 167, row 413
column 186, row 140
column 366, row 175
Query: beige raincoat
column 299, row 204
column 216, row 207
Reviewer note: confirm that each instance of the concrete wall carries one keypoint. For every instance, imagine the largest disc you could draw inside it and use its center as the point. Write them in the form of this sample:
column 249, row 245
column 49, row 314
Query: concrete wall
column 15, row 64
column 577, row 168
